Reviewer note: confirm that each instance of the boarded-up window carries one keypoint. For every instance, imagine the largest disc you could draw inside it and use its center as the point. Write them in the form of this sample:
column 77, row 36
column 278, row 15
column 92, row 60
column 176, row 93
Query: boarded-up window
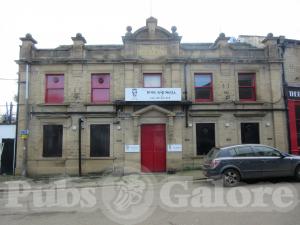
column 100, row 136
column 250, row 133
column 205, row 133
column 52, row 140
column 152, row 80
column 54, row 88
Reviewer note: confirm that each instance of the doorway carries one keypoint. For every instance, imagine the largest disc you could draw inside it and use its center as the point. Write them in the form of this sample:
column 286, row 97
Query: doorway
column 153, row 148
column 7, row 156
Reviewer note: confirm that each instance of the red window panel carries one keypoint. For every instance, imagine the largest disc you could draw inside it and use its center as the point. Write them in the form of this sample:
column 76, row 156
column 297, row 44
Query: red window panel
column 247, row 87
column 54, row 88
column 203, row 87
column 294, row 124
column 100, row 88
column 152, row 80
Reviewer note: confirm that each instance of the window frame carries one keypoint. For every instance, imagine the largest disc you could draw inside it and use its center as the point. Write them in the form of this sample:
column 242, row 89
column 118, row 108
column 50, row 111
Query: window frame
column 211, row 98
column 253, row 87
column 243, row 132
column 106, row 153
column 46, row 99
column 59, row 151
column 152, row 74
column 198, row 126
column 100, row 88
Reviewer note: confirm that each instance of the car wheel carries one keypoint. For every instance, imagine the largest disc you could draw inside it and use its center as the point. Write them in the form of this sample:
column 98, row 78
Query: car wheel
column 231, row 178
column 297, row 173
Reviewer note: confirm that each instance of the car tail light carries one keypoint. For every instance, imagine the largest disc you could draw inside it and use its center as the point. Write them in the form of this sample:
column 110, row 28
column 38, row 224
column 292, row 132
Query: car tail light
column 214, row 163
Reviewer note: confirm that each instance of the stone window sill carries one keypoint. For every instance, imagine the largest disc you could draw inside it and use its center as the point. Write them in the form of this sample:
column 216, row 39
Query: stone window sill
column 207, row 103
column 249, row 102
column 53, row 104
column 99, row 104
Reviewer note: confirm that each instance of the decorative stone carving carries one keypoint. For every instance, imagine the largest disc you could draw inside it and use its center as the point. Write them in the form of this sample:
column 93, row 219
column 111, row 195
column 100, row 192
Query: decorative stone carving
column 78, row 46
column 129, row 29
column 79, row 39
column 139, row 113
column 174, row 29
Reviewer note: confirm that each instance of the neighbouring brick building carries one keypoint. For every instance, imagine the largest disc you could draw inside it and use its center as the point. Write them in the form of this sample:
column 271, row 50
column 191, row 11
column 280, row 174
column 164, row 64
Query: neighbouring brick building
column 153, row 100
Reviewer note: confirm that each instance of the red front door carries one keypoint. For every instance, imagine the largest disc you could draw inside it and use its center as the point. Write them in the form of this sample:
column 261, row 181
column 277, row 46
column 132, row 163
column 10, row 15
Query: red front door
column 294, row 120
column 153, row 147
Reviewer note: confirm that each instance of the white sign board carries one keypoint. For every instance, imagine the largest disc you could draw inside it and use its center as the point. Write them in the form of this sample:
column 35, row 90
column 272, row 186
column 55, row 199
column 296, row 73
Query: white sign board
column 152, row 94
column 132, row 148
column 175, row 148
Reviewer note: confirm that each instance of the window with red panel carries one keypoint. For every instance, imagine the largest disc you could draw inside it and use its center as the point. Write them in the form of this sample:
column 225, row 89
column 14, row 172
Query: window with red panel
column 152, row 80
column 247, row 88
column 54, row 88
column 203, row 87
column 100, row 88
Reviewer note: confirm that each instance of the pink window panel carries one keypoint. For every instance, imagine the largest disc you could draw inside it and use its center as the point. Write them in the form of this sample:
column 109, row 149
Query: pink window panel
column 55, row 81
column 100, row 95
column 100, row 81
column 54, row 88
column 55, row 96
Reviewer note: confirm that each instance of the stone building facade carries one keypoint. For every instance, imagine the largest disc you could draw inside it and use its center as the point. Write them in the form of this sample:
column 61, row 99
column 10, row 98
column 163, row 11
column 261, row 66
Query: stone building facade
column 152, row 104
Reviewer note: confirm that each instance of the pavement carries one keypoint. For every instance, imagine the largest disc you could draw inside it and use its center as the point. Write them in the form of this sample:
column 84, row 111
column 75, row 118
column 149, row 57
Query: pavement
column 183, row 198
column 46, row 182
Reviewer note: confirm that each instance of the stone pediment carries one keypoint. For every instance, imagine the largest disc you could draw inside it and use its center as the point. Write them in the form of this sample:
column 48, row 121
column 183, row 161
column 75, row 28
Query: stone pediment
column 160, row 33
column 152, row 108
column 151, row 32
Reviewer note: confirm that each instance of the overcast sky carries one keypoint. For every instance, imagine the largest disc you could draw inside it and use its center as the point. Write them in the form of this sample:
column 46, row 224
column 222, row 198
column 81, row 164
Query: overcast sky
column 54, row 22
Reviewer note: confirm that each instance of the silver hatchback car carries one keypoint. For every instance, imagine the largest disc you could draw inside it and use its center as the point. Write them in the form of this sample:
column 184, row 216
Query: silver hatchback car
column 248, row 161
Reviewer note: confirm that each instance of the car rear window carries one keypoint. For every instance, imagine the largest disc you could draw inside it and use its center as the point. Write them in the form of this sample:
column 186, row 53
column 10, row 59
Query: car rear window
column 212, row 153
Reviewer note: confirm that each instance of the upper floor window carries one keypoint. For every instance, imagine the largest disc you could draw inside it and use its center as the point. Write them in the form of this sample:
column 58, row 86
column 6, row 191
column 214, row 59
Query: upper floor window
column 247, row 89
column 54, row 88
column 100, row 88
column 152, row 80
column 203, row 87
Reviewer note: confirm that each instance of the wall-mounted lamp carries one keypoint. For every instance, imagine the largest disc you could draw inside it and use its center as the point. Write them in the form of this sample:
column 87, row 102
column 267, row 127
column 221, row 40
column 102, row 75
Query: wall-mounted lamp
column 74, row 127
column 268, row 124
column 119, row 127
column 227, row 124
column 190, row 124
